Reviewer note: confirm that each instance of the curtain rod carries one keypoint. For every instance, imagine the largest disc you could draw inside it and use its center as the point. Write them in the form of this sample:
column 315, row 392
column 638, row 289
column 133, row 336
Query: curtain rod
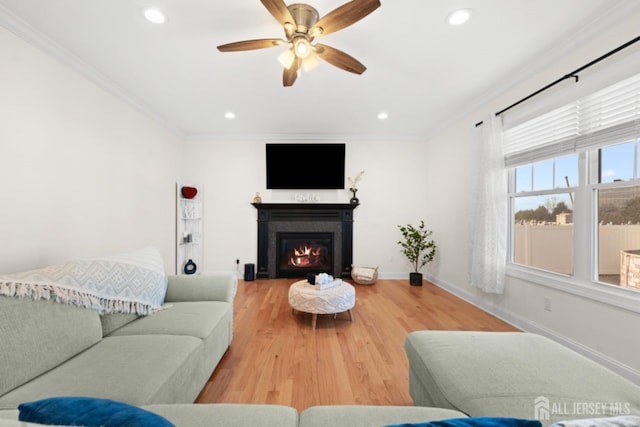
column 573, row 74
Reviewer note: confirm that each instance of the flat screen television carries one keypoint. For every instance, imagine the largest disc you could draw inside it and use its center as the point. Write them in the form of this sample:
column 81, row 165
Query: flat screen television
column 305, row 166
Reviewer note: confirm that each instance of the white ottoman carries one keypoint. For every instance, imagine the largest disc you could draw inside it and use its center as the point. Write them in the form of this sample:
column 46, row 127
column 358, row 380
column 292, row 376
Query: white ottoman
column 310, row 299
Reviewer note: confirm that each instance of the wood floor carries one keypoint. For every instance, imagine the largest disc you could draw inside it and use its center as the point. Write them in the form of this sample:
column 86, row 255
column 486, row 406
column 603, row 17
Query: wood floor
column 276, row 357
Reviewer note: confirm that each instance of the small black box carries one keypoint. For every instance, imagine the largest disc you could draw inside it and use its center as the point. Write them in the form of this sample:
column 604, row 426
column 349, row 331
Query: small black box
column 311, row 278
column 249, row 272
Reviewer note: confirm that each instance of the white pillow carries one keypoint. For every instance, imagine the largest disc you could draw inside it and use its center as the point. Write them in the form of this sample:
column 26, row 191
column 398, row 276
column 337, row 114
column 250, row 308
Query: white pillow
column 618, row 421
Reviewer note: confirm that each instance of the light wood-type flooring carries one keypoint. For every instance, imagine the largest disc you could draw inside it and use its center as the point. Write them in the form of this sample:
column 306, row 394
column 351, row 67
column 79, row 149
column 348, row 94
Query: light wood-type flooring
column 276, row 357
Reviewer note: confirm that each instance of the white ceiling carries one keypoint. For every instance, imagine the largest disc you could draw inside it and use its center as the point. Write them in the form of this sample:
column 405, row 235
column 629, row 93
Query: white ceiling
column 421, row 71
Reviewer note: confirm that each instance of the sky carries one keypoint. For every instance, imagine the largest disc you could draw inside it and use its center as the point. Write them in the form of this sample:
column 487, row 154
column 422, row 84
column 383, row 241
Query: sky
column 618, row 162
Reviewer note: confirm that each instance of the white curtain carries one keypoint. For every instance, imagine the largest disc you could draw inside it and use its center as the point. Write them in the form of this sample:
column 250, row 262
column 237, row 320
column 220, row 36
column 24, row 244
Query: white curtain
column 488, row 214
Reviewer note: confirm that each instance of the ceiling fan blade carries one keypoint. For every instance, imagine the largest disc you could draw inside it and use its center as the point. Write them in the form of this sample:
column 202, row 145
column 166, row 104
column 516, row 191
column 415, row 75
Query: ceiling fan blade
column 279, row 10
column 339, row 59
column 291, row 74
column 345, row 15
column 250, row 45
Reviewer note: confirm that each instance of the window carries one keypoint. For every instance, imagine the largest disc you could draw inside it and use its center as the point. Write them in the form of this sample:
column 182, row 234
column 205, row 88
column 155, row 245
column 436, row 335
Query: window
column 618, row 215
column 574, row 190
column 542, row 205
column 617, row 162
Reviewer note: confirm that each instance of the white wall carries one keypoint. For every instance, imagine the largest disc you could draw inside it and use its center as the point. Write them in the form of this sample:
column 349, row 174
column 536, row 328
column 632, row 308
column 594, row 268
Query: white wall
column 390, row 193
column 602, row 331
column 81, row 172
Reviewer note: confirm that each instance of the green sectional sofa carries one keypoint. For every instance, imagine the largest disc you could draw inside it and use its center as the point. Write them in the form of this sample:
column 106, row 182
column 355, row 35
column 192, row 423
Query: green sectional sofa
column 513, row 374
column 51, row 349
column 249, row 415
column 161, row 362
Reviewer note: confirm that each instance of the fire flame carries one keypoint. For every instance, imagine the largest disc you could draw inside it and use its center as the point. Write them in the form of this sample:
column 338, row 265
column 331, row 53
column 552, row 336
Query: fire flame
column 306, row 256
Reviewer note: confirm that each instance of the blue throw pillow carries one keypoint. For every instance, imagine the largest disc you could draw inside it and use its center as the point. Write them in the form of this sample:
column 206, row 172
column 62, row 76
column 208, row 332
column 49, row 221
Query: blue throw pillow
column 476, row 422
column 88, row 412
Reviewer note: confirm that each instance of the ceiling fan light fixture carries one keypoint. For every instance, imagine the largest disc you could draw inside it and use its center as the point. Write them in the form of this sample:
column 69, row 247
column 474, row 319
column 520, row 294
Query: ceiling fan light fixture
column 309, row 63
column 304, row 15
column 459, row 17
column 286, row 58
column 301, row 24
column 301, row 47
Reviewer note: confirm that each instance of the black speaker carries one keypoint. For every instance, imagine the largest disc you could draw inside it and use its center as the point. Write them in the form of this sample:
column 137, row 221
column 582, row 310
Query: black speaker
column 249, row 272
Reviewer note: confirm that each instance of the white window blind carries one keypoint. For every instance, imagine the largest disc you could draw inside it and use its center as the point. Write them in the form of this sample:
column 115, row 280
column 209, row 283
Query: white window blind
column 609, row 115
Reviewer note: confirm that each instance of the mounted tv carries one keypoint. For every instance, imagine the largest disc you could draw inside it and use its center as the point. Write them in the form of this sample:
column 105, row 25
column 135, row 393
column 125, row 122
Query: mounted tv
column 305, row 166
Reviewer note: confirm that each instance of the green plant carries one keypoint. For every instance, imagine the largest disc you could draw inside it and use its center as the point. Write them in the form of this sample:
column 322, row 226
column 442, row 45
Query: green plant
column 417, row 246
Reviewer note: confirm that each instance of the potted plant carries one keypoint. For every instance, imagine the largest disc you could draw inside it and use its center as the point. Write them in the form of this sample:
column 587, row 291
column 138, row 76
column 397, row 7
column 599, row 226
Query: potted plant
column 418, row 249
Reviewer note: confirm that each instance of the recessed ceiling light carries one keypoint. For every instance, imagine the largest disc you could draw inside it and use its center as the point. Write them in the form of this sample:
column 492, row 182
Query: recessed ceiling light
column 154, row 15
column 459, row 17
column 383, row 116
column 229, row 115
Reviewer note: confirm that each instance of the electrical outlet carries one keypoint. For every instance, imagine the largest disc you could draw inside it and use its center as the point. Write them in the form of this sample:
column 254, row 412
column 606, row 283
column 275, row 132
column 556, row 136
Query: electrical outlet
column 238, row 268
column 547, row 303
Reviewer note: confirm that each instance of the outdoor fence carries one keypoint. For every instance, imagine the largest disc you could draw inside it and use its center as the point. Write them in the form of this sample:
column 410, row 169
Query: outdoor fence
column 550, row 246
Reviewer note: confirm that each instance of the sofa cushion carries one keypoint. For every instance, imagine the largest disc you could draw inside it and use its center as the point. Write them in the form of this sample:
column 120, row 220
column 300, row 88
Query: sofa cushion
column 39, row 335
column 112, row 321
column 371, row 415
column 203, row 287
column 510, row 374
column 88, row 412
column 196, row 319
column 133, row 369
column 12, row 423
column 10, row 419
column 210, row 321
column 227, row 414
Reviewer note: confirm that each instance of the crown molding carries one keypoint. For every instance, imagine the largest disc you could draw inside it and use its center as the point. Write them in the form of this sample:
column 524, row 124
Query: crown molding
column 29, row 34
column 543, row 60
column 306, row 137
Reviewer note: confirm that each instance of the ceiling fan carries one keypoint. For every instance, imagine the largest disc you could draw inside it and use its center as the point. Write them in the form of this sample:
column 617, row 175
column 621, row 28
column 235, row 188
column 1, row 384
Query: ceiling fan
column 302, row 24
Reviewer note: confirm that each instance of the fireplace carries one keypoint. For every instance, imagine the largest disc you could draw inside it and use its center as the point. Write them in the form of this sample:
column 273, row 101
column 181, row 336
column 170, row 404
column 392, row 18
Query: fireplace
column 300, row 253
column 284, row 228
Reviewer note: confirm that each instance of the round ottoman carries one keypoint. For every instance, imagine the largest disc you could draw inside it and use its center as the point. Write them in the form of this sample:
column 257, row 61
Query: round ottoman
column 310, row 299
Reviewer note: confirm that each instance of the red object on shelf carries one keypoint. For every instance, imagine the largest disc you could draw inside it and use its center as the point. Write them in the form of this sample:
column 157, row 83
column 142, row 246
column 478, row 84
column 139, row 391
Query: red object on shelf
column 189, row 192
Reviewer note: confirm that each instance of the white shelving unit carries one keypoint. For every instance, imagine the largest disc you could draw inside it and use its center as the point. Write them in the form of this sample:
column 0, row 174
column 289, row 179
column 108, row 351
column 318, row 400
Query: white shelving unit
column 189, row 215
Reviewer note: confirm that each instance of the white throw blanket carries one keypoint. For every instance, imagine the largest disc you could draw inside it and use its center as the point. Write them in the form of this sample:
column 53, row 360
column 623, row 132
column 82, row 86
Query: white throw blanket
column 134, row 282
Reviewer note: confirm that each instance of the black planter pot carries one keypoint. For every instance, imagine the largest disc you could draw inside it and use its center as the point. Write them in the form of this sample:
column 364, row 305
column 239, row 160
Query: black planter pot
column 415, row 279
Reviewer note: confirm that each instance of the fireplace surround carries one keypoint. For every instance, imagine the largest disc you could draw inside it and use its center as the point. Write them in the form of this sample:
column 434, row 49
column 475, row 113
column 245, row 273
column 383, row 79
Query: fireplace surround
column 327, row 221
